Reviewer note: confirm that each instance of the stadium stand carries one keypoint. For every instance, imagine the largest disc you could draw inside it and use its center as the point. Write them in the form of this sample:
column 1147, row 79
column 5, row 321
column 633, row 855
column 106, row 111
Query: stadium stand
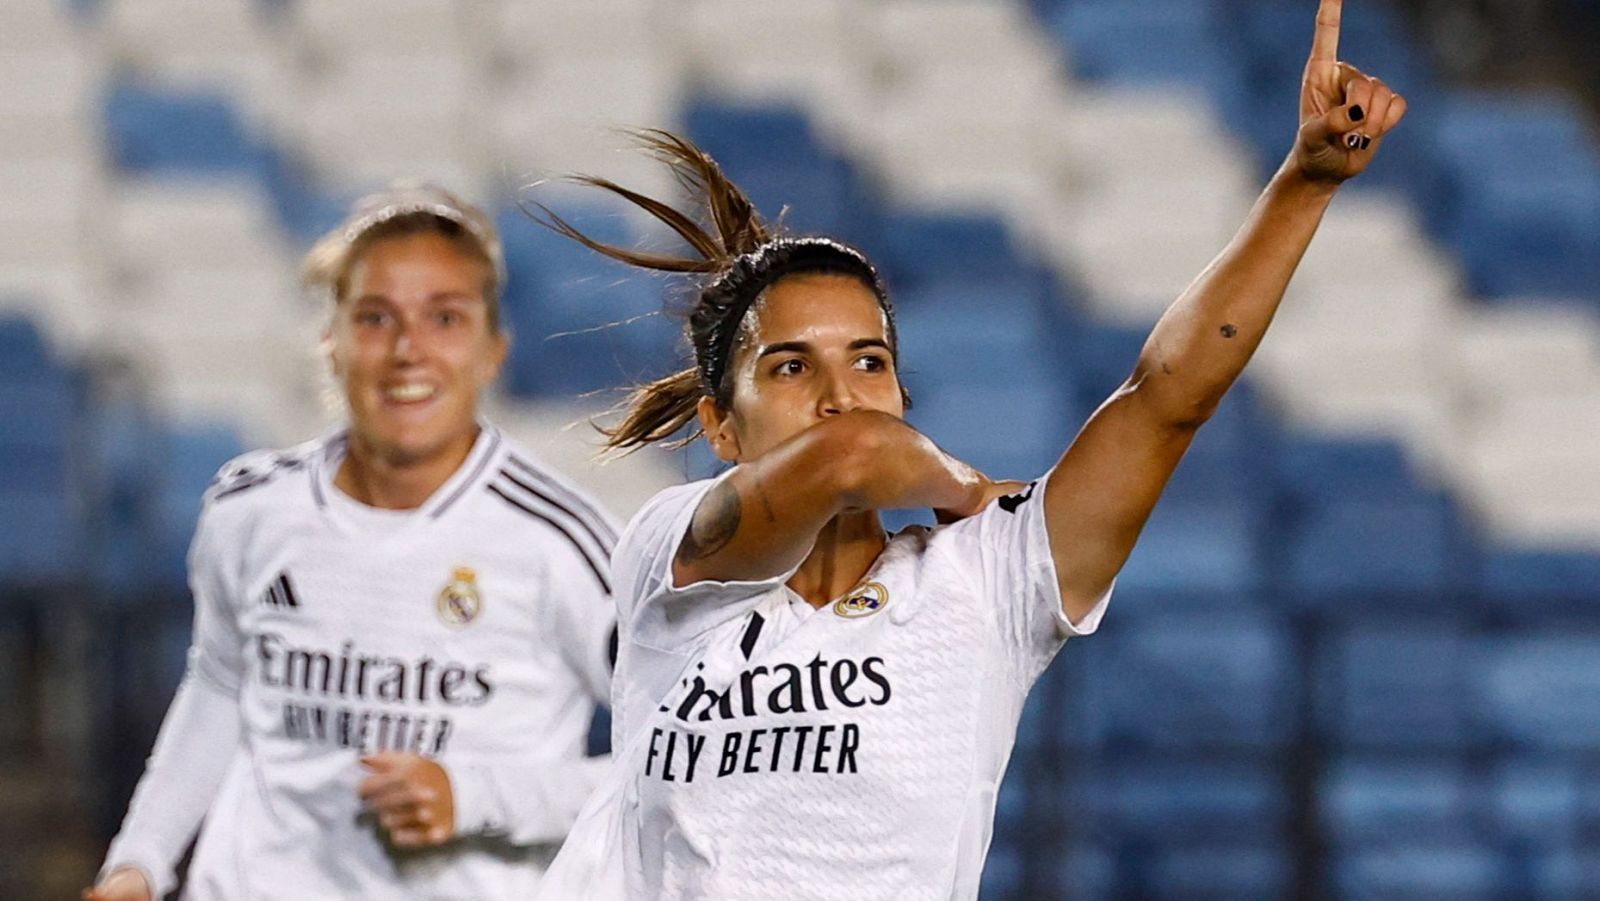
column 1355, row 649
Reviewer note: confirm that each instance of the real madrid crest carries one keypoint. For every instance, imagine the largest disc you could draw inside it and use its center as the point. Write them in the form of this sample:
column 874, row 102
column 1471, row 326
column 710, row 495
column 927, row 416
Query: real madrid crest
column 863, row 600
column 460, row 602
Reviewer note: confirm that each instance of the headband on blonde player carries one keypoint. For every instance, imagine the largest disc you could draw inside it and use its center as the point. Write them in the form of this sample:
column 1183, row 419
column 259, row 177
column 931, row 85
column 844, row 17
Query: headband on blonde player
column 402, row 209
column 739, row 257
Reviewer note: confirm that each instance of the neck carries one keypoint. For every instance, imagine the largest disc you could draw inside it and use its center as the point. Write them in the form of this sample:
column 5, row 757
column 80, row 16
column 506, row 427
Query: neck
column 846, row 548
column 396, row 482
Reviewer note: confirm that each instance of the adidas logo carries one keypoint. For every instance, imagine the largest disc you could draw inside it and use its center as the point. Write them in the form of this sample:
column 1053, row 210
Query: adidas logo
column 280, row 593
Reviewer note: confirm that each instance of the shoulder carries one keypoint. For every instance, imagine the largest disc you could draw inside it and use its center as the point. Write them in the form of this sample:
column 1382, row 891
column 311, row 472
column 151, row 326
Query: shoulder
column 251, row 476
column 546, row 506
column 665, row 514
column 518, row 470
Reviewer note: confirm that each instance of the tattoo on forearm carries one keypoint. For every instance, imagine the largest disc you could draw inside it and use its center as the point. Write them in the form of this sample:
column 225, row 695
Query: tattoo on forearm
column 714, row 524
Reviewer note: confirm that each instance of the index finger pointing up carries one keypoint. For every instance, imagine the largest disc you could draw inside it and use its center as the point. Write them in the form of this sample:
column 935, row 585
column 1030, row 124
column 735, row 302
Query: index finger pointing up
column 1325, row 46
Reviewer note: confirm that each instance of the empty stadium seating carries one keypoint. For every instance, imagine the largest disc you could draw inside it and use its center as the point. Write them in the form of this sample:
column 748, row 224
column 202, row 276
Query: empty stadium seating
column 1355, row 648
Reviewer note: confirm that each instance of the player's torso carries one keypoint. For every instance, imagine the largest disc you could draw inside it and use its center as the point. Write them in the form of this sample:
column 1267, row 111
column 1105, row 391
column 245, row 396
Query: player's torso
column 840, row 759
column 424, row 640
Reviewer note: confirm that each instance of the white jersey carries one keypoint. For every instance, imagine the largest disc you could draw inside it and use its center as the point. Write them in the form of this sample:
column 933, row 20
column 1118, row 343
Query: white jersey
column 849, row 751
column 476, row 630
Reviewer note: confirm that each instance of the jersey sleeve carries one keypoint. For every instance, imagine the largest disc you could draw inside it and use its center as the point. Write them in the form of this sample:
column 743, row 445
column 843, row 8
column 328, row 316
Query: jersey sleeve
column 199, row 735
column 585, row 620
column 652, row 610
column 1010, row 545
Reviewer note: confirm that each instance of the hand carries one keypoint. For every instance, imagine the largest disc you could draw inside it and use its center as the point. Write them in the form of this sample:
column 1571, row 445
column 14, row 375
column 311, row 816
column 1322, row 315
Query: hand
column 988, row 492
column 411, row 797
column 1344, row 113
column 121, row 884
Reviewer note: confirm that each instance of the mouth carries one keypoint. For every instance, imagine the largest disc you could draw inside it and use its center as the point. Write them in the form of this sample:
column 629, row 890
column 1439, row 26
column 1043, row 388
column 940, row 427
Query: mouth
column 409, row 393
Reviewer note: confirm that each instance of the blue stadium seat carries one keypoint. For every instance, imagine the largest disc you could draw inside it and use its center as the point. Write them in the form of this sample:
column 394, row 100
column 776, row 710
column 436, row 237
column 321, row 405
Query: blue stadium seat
column 1543, row 803
column 1187, row 801
column 164, row 130
column 1158, row 41
column 1460, row 871
column 1315, row 468
column 917, row 249
column 22, row 349
column 1398, row 685
column 1202, row 682
column 1565, row 872
column 1193, row 555
column 1393, row 552
column 1541, row 692
column 1525, row 584
column 1221, row 872
column 1374, row 802
column 1018, row 434
column 40, row 539
column 195, row 451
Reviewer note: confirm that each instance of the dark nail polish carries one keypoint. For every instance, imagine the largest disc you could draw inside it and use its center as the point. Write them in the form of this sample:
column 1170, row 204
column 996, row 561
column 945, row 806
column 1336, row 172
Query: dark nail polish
column 1352, row 141
column 1365, row 143
column 1357, row 113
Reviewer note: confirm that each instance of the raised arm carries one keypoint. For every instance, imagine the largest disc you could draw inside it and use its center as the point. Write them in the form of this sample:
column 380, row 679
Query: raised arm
column 1102, row 492
column 762, row 518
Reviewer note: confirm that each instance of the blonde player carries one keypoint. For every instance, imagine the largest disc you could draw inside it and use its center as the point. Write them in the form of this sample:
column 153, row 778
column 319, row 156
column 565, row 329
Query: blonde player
column 812, row 708
column 400, row 629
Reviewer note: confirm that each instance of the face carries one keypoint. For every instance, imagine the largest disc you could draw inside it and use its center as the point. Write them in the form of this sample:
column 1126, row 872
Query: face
column 411, row 347
column 820, row 348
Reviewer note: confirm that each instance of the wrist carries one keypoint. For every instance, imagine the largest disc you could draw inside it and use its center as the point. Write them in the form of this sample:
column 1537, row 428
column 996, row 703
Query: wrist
column 1293, row 181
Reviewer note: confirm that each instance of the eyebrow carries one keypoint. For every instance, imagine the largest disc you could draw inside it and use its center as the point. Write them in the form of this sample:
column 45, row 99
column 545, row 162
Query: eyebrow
column 805, row 347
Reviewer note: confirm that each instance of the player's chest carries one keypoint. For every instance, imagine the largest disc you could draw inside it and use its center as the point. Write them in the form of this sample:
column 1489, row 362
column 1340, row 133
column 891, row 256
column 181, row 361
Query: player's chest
column 436, row 589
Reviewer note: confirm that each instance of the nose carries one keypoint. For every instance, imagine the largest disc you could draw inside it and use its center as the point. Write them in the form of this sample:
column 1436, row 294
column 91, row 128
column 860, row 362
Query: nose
column 405, row 349
column 838, row 396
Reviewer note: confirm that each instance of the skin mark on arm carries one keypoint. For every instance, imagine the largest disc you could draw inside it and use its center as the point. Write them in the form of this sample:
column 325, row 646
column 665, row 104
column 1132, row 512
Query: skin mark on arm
column 766, row 502
column 1228, row 330
column 714, row 524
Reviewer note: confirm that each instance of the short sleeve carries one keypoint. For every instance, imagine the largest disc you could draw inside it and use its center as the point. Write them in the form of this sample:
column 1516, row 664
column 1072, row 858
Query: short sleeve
column 216, row 653
column 654, row 612
column 1018, row 578
column 585, row 619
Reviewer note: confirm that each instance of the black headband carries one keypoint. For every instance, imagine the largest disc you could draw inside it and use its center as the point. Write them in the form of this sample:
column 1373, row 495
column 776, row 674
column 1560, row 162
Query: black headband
column 753, row 273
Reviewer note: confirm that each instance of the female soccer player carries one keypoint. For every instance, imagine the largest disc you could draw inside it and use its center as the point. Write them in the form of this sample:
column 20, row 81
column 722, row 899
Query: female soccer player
column 817, row 710
column 399, row 629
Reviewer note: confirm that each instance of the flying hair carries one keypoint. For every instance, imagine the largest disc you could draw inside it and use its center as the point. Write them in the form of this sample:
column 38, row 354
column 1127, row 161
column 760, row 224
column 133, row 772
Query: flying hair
column 738, row 257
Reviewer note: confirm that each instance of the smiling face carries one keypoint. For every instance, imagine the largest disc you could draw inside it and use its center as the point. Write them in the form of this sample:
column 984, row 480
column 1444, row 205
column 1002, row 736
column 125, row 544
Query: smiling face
column 412, row 346
column 820, row 347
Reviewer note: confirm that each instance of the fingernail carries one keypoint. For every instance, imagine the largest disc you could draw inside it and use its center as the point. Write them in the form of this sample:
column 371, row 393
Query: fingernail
column 1365, row 143
column 1357, row 113
column 1352, row 141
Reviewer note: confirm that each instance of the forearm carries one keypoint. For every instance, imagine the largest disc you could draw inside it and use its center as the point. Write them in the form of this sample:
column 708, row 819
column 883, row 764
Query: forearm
column 192, row 753
column 763, row 518
column 528, row 803
column 1206, row 337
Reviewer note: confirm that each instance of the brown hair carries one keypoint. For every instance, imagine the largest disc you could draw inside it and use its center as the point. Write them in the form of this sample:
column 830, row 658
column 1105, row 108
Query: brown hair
column 738, row 256
column 402, row 210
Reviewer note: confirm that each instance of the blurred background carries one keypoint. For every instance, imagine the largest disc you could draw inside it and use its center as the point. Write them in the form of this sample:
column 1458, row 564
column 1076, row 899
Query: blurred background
column 1357, row 652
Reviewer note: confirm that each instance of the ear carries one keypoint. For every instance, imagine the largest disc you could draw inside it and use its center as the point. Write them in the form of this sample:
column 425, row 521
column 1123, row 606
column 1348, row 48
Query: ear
column 719, row 428
column 500, row 348
column 327, row 349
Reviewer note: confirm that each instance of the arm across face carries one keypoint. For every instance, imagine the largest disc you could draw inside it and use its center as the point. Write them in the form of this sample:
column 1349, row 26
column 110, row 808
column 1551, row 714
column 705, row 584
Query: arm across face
column 763, row 517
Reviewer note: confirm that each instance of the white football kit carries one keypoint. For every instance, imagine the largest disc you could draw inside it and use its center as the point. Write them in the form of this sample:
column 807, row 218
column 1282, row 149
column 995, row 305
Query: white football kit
column 776, row 750
column 476, row 630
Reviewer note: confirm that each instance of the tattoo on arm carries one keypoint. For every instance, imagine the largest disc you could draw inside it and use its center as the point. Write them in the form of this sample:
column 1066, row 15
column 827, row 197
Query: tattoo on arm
column 714, row 524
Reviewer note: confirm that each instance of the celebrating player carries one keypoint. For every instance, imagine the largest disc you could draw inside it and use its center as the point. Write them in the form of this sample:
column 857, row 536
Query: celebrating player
column 400, row 629
column 814, row 709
